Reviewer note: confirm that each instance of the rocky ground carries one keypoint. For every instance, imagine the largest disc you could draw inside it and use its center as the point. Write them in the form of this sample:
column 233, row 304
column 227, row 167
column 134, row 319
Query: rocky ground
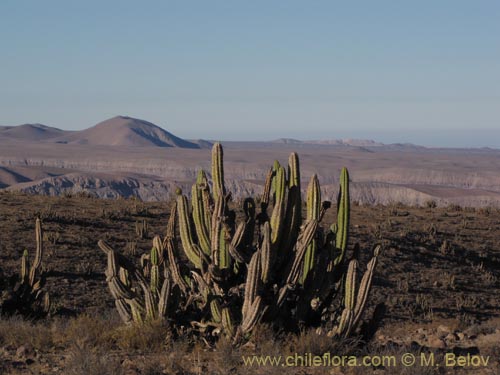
column 436, row 288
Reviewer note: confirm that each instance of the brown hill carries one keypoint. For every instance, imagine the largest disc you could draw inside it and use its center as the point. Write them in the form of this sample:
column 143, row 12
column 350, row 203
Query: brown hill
column 126, row 131
column 30, row 132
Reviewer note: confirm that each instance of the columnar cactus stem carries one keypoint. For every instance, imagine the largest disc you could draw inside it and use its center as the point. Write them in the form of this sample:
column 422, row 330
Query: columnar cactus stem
column 253, row 315
column 199, row 218
column 313, row 212
column 227, row 322
column 365, row 285
column 253, row 282
column 191, row 249
column 164, row 298
column 35, row 267
column 216, row 231
column 174, row 268
column 267, row 255
column 218, row 171
column 294, row 206
column 306, row 235
column 207, row 200
column 170, row 234
column 277, row 217
column 264, row 202
column 216, row 310
column 343, row 213
column 155, row 270
column 25, row 266
column 354, row 306
column 224, row 258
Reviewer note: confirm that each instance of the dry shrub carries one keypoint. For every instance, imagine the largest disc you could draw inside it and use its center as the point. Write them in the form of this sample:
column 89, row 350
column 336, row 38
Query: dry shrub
column 152, row 367
column 88, row 330
column 308, row 341
column 265, row 340
column 87, row 360
column 225, row 359
column 150, row 337
column 16, row 331
column 183, row 355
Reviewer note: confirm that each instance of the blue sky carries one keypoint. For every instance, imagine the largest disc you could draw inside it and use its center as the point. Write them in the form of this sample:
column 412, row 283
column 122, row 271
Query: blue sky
column 426, row 72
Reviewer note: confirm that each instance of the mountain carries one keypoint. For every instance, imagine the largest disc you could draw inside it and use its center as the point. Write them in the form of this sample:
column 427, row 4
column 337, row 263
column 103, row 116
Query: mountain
column 125, row 131
column 30, row 132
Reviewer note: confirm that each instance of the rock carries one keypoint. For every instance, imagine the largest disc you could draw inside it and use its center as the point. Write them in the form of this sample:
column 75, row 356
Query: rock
column 444, row 329
column 450, row 337
column 250, row 346
column 24, row 351
column 435, row 342
column 128, row 364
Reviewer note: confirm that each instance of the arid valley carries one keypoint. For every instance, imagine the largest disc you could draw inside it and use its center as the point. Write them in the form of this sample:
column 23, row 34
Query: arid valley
column 128, row 157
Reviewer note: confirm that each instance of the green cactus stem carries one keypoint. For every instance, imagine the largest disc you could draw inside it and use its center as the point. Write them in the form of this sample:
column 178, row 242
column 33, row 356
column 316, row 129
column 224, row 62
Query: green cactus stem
column 218, row 171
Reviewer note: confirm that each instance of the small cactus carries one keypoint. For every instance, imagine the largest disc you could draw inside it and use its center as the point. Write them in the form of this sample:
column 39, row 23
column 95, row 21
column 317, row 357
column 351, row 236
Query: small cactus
column 141, row 228
column 27, row 296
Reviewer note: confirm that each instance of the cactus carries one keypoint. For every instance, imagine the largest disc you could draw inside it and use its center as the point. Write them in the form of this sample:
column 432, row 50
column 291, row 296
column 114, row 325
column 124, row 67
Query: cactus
column 141, row 228
column 126, row 282
column 313, row 210
column 343, row 204
column 27, row 296
column 283, row 269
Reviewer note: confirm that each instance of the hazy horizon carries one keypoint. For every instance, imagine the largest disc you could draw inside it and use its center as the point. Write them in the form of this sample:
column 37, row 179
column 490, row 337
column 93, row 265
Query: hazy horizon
column 425, row 73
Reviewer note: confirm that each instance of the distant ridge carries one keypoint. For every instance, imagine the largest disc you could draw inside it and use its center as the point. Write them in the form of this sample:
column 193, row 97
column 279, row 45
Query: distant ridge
column 30, row 132
column 126, row 131
column 288, row 141
column 332, row 142
column 203, row 143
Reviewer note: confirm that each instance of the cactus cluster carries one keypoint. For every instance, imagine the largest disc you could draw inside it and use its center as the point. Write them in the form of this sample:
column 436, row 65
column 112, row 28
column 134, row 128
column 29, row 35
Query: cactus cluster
column 136, row 299
column 225, row 276
column 24, row 293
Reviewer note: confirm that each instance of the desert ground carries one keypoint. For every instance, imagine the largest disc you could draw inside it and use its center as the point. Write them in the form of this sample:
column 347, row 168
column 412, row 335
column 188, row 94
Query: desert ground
column 437, row 286
column 435, row 211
